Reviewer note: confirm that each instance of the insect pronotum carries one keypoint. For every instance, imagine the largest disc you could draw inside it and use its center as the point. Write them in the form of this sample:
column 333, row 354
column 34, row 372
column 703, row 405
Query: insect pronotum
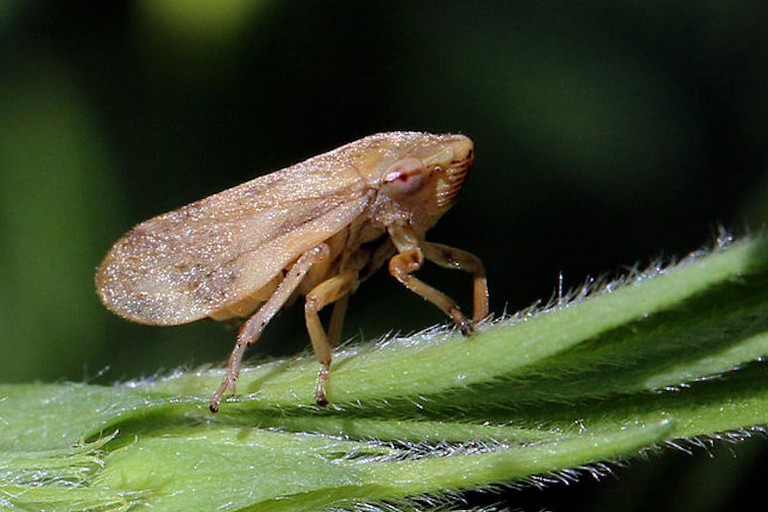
column 317, row 228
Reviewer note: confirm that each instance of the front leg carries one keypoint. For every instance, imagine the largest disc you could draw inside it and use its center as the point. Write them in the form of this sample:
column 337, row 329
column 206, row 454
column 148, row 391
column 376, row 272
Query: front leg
column 403, row 264
column 451, row 257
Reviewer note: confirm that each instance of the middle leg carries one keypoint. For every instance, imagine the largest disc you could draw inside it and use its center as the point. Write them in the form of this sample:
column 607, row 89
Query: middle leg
column 252, row 328
column 327, row 292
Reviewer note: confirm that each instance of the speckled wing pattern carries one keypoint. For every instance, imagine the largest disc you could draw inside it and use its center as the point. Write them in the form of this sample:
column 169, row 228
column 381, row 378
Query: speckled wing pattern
column 187, row 264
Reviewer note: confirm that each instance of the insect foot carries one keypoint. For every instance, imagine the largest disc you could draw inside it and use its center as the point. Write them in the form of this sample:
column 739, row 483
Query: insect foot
column 321, row 398
column 228, row 384
column 467, row 327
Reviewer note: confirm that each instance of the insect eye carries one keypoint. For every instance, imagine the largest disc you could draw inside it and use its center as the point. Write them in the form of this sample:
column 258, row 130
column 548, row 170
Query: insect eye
column 405, row 178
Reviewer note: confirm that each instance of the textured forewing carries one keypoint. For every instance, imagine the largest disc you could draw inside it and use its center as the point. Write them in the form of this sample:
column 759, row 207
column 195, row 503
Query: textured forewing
column 189, row 263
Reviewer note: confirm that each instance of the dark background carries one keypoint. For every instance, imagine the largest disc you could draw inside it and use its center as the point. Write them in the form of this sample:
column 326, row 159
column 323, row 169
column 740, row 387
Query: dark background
column 608, row 134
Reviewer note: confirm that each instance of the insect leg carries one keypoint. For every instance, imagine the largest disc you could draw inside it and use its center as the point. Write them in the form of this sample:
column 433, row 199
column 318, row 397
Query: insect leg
column 252, row 328
column 451, row 257
column 327, row 292
column 403, row 264
column 337, row 320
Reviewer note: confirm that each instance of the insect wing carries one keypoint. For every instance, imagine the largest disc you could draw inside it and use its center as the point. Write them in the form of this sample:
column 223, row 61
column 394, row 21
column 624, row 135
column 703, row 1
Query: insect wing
column 189, row 263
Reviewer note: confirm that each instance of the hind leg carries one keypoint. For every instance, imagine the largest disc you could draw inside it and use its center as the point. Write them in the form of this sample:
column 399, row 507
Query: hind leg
column 253, row 327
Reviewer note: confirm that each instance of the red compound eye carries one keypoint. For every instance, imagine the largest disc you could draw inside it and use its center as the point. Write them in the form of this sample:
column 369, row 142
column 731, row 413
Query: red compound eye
column 405, row 178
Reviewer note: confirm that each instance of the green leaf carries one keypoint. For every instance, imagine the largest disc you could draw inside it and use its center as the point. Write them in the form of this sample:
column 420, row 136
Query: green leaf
column 666, row 355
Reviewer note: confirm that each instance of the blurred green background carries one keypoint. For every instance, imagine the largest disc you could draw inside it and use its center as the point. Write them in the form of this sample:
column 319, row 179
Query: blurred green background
column 607, row 134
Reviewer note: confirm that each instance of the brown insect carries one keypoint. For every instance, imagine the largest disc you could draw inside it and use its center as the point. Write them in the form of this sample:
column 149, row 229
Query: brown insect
column 317, row 228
